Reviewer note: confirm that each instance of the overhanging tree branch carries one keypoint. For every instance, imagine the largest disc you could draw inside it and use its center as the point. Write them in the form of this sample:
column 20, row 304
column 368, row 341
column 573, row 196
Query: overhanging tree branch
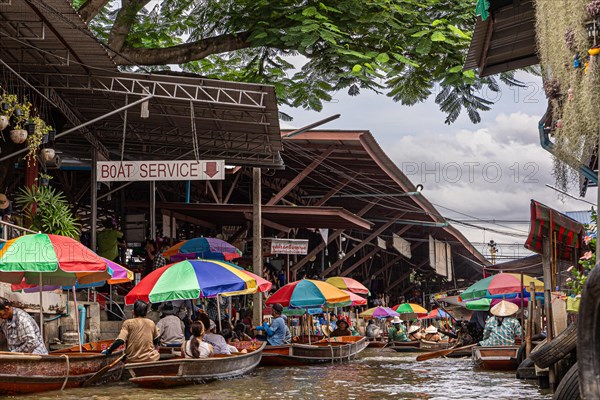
column 91, row 8
column 125, row 19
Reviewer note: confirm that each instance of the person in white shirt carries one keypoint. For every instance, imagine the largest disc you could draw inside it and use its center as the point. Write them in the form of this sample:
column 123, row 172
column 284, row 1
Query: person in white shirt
column 195, row 347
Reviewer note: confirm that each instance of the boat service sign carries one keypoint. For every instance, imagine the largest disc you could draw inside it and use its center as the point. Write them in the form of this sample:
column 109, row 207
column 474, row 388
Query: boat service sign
column 289, row 246
column 180, row 170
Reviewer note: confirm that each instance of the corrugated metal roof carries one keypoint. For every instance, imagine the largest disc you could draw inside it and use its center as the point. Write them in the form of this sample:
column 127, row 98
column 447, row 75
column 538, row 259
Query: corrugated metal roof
column 583, row 217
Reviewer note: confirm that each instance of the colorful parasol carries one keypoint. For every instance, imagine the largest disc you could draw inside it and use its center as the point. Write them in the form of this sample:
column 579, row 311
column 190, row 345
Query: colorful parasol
column 499, row 285
column 191, row 279
column 438, row 313
column 60, row 259
column 485, row 304
column 410, row 308
column 309, row 293
column 355, row 299
column 262, row 285
column 349, row 284
column 378, row 312
column 204, row 248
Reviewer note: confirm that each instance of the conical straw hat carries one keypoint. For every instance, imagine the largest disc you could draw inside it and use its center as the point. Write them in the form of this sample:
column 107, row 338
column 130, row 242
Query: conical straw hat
column 504, row 309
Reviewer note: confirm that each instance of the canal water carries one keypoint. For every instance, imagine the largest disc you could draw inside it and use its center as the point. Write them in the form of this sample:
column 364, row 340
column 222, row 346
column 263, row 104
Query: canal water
column 375, row 374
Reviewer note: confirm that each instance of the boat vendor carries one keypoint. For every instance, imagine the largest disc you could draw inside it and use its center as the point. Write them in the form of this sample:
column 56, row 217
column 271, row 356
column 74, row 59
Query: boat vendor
column 413, row 333
column 397, row 332
column 372, row 330
column 501, row 328
column 21, row 332
column 343, row 329
column 277, row 333
column 196, row 347
column 431, row 334
column 140, row 336
column 170, row 327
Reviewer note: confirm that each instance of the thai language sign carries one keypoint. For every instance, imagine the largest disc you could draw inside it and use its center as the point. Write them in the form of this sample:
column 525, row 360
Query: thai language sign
column 289, row 246
column 180, row 170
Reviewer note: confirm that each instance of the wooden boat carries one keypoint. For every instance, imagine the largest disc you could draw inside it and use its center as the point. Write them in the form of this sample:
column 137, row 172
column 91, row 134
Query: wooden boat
column 377, row 342
column 422, row 346
column 502, row 358
column 22, row 373
column 181, row 371
column 327, row 350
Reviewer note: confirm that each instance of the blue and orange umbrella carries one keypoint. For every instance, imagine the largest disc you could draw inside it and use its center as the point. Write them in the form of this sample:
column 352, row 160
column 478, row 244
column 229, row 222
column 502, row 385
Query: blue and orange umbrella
column 192, row 279
column 438, row 313
column 309, row 293
column 204, row 248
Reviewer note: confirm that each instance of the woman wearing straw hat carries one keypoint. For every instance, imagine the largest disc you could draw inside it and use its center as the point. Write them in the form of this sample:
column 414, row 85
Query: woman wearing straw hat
column 501, row 328
column 413, row 333
column 431, row 334
column 397, row 332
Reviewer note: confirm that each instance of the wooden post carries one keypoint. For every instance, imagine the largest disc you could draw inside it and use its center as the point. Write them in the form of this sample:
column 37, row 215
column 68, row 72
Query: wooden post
column 153, row 210
column 257, row 241
column 94, row 201
column 530, row 318
column 547, row 264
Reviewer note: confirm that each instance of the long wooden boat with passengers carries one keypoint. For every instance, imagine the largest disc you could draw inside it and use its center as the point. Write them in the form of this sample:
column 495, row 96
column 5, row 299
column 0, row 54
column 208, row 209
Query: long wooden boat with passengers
column 22, row 373
column 377, row 342
column 417, row 346
column 179, row 371
column 503, row 358
column 330, row 350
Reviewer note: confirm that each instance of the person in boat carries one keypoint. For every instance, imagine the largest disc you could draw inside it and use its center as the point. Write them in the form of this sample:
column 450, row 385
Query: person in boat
column 170, row 327
column 501, row 329
column 140, row 336
column 278, row 332
column 431, row 334
column 397, row 332
column 241, row 332
column 343, row 329
column 373, row 331
column 211, row 337
column 228, row 335
column 414, row 333
column 21, row 332
column 196, row 347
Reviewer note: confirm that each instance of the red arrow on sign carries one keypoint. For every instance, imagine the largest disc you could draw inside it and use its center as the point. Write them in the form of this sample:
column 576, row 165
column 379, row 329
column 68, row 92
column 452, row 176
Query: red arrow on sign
column 210, row 168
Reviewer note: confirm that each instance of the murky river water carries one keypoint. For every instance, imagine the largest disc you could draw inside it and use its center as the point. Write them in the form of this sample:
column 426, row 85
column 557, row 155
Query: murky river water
column 374, row 375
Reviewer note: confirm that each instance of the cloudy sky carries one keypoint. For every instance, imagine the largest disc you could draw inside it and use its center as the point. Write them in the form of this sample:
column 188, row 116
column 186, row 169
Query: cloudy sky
column 470, row 172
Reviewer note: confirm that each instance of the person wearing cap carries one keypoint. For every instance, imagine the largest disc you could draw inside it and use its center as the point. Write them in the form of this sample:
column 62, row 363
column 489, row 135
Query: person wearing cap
column 21, row 332
column 343, row 329
column 431, row 334
column 170, row 327
column 413, row 333
column 397, row 332
column 278, row 332
column 501, row 328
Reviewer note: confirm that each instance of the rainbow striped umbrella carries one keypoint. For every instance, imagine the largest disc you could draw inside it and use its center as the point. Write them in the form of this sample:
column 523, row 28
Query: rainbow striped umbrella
column 410, row 308
column 349, row 284
column 355, row 299
column 60, row 259
column 378, row 312
column 500, row 285
column 205, row 248
column 191, row 279
column 309, row 293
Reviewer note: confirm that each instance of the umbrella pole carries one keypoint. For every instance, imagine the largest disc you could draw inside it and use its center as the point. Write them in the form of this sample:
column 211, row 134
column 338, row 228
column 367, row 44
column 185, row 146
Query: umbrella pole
column 77, row 319
column 219, row 311
column 309, row 322
column 41, row 311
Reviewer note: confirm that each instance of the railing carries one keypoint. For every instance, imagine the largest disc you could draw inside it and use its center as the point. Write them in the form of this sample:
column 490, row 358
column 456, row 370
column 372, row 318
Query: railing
column 6, row 226
column 109, row 303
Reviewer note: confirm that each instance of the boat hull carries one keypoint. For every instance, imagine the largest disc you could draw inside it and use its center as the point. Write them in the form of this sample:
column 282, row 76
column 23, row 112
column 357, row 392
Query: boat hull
column 32, row 373
column 326, row 351
column 187, row 371
column 417, row 346
column 500, row 358
column 377, row 342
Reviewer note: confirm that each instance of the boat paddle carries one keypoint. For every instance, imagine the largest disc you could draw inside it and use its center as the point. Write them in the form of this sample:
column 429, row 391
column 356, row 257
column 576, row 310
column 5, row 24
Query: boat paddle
column 96, row 377
column 441, row 353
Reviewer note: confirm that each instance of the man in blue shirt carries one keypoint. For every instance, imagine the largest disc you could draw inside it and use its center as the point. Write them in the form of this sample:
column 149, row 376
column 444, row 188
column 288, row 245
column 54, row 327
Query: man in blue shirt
column 277, row 333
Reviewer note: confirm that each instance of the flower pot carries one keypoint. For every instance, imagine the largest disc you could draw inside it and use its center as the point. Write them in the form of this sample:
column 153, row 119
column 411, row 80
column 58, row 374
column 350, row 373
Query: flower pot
column 51, row 135
column 30, row 129
column 48, row 154
column 18, row 135
column 45, row 138
column 594, row 51
column 5, row 106
column 44, row 181
column 3, row 122
column 18, row 112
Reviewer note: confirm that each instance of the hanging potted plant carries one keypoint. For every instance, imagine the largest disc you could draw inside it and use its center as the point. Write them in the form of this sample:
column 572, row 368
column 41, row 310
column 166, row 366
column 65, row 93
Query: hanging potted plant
column 47, row 153
column 21, row 116
column 36, row 130
column 7, row 108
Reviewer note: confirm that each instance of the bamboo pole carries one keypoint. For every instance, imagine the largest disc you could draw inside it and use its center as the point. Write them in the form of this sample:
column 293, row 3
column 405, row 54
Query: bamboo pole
column 530, row 318
column 547, row 264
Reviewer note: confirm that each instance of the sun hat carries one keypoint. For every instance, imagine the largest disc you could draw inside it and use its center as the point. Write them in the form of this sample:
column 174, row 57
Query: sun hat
column 396, row 320
column 413, row 329
column 342, row 321
column 4, row 203
column 431, row 329
column 504, row 309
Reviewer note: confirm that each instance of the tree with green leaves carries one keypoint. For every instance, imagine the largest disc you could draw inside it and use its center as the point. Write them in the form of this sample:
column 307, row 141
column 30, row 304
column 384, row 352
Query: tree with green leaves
column 406, row 49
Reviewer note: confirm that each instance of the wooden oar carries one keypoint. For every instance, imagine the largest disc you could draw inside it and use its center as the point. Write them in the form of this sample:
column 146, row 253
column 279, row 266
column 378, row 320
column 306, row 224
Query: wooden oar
column 441, row 353
column 96, row 377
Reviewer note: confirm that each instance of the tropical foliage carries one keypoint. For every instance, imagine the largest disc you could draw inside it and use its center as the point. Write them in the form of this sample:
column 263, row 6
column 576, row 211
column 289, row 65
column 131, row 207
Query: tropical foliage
column 407, row 49
column 579, row 275
column 48, row 210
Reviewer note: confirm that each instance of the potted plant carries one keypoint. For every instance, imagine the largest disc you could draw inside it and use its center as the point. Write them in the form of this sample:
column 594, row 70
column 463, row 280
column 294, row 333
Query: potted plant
column 21, row 115
column 36, row 130
column 7, row 108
